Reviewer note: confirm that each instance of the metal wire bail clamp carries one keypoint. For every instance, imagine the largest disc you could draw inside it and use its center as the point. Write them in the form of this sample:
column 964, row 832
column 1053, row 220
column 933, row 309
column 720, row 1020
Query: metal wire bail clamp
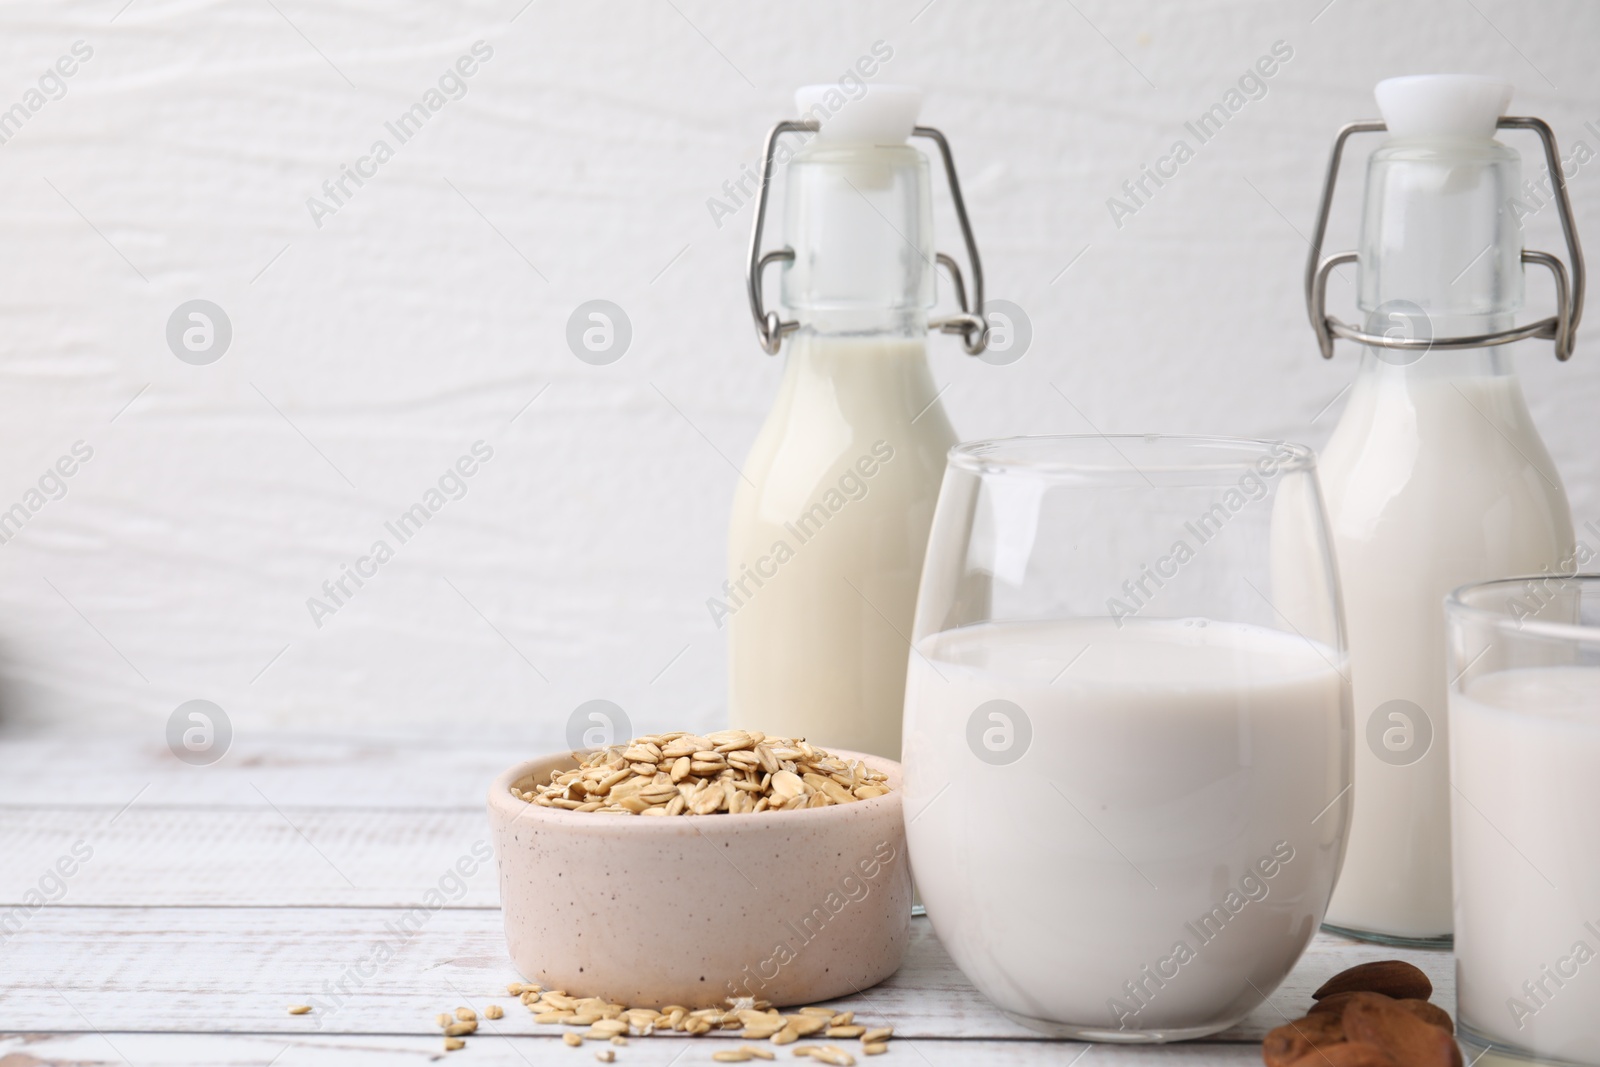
column 770, row 328
column 1561, row 327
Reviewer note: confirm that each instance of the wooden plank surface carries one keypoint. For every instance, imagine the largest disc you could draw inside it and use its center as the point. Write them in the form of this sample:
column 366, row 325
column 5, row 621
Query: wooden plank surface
column 262, row 1050
column 156, row 969
column 259, row 855
column 110, row 770
column 216, row 896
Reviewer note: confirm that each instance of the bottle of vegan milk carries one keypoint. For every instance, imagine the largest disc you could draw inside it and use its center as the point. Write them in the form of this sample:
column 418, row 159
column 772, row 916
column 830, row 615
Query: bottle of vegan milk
column 1435, row 476
column 831, row 515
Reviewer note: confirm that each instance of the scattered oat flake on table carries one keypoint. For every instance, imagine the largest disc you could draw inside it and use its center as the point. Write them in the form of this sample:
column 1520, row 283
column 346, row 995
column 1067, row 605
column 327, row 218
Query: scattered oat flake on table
column 753, row 1019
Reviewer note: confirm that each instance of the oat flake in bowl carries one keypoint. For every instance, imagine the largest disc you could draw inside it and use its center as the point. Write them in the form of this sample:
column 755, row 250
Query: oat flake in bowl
column 734, row 772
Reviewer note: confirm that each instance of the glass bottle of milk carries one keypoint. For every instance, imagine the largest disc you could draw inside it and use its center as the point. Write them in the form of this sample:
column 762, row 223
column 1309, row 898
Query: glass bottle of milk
column 831, row 516
column 1435, row 475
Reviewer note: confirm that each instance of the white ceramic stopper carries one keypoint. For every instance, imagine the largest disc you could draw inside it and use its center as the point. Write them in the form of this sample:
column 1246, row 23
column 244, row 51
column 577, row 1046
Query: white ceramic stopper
column 1442, row 105
column 875, row 114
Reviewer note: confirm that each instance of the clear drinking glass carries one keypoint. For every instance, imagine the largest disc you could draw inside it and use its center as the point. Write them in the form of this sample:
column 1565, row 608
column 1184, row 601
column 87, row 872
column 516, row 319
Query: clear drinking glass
column 1524, row 669
column 1127, row 733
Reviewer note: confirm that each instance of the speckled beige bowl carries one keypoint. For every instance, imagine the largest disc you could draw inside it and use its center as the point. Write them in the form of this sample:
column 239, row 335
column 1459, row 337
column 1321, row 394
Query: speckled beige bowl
column 792, row 907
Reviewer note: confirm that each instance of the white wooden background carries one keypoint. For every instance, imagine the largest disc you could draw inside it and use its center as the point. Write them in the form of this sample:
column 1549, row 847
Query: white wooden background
column 215, row 897
column 370, row 353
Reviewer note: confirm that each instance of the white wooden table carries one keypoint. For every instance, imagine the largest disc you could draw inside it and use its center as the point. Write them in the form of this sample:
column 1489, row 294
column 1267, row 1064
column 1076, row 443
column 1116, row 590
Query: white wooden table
column 215, row 897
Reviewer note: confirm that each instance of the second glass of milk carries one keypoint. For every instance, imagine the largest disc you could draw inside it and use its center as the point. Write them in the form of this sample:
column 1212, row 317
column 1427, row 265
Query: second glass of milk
column 1127, row 729
column 1524, row 669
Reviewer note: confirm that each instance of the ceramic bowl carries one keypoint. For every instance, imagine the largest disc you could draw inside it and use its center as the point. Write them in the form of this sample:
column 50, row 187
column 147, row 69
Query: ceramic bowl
column 793, row 907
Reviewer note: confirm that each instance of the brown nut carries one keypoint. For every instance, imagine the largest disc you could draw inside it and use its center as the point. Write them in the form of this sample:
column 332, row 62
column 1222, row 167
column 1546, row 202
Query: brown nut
column 1405, row 1037
column 1429, row 1013
column 1334, row 1005
column 1350, row 1054
column 1292, row 1041
column 1392, row 978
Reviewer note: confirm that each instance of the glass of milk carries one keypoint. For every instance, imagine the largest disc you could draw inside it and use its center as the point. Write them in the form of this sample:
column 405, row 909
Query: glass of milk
column 1524, row 670
column 1127, row 728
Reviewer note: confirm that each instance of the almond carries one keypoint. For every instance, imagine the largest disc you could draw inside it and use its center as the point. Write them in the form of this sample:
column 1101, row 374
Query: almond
column 1291, row 1041
column 1429, row 1013
column 1404, row 1036
column 1350, row 1054
column 1392, row 978
column 1334, row 1005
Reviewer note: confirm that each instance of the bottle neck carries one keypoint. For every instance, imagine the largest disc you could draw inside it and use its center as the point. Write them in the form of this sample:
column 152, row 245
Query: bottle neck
column 860, row 222
column 1493, row 362
column 1402, row 319
column 854, row 373
column 864, row 323
column 1440, row 254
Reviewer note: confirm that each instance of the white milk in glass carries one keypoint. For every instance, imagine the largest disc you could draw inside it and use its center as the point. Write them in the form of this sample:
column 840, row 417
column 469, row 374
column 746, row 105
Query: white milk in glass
column 1525, row 755
column 1167, row 838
